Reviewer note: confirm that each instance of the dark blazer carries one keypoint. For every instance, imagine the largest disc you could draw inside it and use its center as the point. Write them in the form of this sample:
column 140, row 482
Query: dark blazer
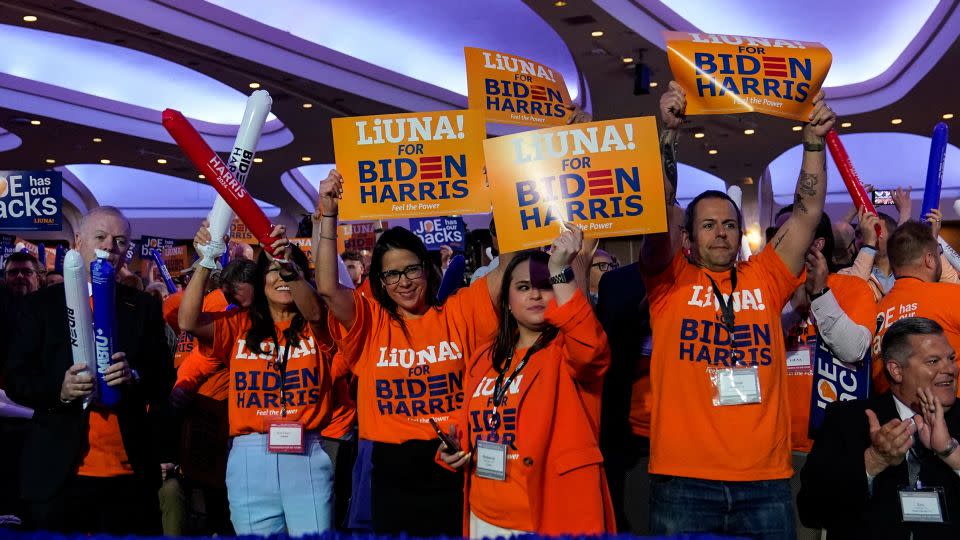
column 39, row 356
column 833, row 493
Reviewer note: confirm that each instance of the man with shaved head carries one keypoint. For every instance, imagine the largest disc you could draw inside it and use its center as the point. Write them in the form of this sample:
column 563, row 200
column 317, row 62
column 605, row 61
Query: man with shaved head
column 92, row 469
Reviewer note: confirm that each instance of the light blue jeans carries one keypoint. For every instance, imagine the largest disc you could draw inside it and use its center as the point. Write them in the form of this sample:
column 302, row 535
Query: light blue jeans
column 279, row 493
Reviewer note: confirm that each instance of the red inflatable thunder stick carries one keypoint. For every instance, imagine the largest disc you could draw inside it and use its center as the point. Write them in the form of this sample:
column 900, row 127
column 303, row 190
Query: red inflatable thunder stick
column 217, row 174
column 849, row 174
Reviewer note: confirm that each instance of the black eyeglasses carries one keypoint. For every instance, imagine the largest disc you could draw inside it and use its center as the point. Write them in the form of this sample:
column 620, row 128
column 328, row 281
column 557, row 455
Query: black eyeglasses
column 26, row 272
column 606, row 266
column 392, row 277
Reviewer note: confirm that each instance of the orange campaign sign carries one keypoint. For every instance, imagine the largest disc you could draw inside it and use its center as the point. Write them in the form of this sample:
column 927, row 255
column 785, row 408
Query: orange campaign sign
column 359, row 236
column 411, row 164
column 240, row 233
column 514, row 90
column 723, row 74
column 606, row 177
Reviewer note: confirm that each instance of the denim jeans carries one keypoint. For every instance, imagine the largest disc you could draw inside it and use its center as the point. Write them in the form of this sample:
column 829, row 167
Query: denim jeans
column 760, row 509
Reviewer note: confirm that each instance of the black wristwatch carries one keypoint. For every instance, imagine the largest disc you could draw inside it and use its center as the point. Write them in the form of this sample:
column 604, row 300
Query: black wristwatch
column 819, row 293
column 292, row 276
column 565, row 276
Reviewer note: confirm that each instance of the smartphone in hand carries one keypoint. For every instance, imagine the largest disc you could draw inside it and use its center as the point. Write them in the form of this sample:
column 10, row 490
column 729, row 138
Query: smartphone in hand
column 452, row 444
column 882, row 197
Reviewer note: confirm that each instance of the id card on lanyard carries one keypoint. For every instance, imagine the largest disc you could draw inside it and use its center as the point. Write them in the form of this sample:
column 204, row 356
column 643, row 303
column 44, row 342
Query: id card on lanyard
column 284, row 437
column 492, row 454
column 733, row 385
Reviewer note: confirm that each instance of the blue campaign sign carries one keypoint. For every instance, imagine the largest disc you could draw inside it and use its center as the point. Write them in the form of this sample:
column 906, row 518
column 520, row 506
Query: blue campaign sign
column 31, row 201
column 154, row 242
column 834, row 380
column 439, row 231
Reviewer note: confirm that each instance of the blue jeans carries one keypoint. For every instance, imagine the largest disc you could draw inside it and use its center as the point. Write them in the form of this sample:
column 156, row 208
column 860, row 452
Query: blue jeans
column 760, row 509
column 279, row 493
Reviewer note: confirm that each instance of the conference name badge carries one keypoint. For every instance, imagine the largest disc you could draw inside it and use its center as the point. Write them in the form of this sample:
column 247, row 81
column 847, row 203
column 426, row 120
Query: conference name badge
column 491, row 460
column 411, row 165
column 606, row 177
column 922, row 505
column 724, row 74
column 285, row 438
column 735, row 386
column 509, row 89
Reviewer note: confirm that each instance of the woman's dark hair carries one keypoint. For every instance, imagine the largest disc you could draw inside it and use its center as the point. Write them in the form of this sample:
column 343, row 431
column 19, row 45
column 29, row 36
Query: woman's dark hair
column 261, row 322
column 507, row 331
column 400, row 238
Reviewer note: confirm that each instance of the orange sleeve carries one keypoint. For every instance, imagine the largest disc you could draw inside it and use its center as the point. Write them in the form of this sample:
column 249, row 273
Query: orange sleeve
column 659, row 285
column 226, row 331
column 171, row 309
column 350, row 342
column 856, row 299
column 474, row 305
column 195, row 369
column 782, row 281
column 585, row 347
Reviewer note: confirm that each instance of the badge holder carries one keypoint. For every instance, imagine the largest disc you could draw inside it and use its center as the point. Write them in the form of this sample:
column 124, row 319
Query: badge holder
column 492, row 455
column 285, row 437
column 923, row 504
column 800, row 360
column 735, row 386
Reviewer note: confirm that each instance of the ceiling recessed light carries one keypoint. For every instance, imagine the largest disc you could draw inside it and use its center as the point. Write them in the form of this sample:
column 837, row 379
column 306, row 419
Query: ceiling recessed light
column 712, row 152
column 202, row 177
column 627, row 60
column 699, row 135
column 51, row 161
column 258, row 160
column 948, row 116
column 559, row 3
column 653, row 84
column 597, row 33
column 34, row 122
column 162, row 161
column 97, row 139
column 254, row 85
column 846, row 124
column 308, row 105
column 29, row 18
column 896, row 121
column 305, row 158
column 797, row 128
column 748, row 132
column 105, row 161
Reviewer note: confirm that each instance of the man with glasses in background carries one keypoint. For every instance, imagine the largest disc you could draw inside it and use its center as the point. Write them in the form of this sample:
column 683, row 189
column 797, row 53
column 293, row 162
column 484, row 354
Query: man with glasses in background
column 22, row 273
column 602, row 263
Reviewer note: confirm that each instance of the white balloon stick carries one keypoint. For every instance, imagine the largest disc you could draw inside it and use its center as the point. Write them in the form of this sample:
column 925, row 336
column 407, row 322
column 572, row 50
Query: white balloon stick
column 735, row 193
column 79, row 314
column 241, row 158
column 950, row 253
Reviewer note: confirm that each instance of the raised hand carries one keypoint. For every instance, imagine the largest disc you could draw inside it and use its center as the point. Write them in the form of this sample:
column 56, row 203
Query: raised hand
column 673, row 106
column 331, row 191
column 821, row 121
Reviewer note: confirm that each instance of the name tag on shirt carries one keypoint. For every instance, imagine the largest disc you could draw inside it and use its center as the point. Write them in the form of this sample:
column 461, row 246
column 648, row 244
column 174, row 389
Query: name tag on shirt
column 491, row 460
column 922, row 505
column 285, row 438
column 735, row 386
column 799, row 361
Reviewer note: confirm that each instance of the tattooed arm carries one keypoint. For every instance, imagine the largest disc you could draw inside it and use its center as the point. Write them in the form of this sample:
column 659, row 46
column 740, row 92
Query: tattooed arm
column 796, row 235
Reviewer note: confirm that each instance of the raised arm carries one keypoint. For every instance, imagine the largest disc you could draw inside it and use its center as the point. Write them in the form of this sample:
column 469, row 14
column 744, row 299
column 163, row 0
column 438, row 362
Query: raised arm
column 793, row 239
column 657, row 250
column 191, row 317
column 305, row 297
column 339, row 299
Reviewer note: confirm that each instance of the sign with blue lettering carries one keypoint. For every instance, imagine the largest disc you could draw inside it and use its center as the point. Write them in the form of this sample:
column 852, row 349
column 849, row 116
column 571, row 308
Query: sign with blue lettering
column 440, row 231
column 31, row 200
column 834, row 380
column 154, row 242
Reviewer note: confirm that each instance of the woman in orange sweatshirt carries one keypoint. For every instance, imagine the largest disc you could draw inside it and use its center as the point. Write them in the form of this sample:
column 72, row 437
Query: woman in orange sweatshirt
column 530, row 423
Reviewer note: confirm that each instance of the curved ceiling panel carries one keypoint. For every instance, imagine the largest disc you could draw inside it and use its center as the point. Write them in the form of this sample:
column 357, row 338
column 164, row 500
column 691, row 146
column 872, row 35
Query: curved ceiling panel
column 8, row 141
column 107, row 86
column 145, row 194
column 877, row 58
column 886, row 160
column 692, row 182
column 409, row 57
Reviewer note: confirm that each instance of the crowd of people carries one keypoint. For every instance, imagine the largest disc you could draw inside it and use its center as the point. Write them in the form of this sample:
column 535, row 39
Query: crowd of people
column 555, row 392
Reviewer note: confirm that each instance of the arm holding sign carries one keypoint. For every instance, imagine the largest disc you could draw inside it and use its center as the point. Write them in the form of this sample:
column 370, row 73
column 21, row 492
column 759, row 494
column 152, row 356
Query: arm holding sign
column 339, row 299
column 794, row 238
column 191, row 317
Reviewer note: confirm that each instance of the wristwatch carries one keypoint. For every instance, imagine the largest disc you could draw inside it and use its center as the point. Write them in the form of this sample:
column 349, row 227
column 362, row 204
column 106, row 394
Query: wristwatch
column 949, row 450
column 292, row 276
column 565, row 276
column 813, row 147
column 819, row 293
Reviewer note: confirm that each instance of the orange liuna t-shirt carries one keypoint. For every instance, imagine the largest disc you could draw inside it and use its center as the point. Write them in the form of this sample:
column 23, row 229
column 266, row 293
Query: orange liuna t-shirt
column 216, row 384
column 105, row 455
column 256, row 391
column 406, row 378
column 690, row 436
column 856, row 300
column 911, row 297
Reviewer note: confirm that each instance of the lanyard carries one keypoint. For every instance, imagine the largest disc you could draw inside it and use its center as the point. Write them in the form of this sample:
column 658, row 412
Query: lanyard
column 727, row 316
column 282, row 368
column 500, row 387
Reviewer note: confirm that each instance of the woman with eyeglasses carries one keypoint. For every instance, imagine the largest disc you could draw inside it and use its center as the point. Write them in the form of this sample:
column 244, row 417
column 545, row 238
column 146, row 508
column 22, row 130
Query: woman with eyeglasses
column 408, row 352
column 529, row 429
column 279, row 479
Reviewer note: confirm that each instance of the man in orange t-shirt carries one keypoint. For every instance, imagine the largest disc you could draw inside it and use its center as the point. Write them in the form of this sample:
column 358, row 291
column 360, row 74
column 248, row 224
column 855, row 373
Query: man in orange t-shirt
column 93, row 469
column 918, row 292
column 720, row 456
